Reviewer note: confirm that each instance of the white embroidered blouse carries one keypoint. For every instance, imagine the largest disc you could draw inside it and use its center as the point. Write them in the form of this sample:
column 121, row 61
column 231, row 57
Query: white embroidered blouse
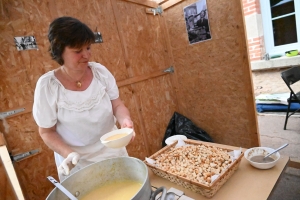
column 81, row 117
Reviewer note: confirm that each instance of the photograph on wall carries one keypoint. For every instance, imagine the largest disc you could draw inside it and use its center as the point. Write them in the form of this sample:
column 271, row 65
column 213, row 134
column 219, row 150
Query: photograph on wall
column 25, row 43
column 197, row 23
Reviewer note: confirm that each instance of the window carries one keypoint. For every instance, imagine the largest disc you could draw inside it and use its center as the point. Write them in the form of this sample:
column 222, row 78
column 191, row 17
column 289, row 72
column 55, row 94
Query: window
column 281, row 22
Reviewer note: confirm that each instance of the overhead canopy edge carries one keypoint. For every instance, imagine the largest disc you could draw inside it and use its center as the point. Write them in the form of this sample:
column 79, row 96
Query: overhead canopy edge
column 151, row 4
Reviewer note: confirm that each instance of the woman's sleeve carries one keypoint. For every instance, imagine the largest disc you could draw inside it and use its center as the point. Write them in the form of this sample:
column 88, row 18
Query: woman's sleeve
column 112, row 88
column 110, row 81
column 44, row 106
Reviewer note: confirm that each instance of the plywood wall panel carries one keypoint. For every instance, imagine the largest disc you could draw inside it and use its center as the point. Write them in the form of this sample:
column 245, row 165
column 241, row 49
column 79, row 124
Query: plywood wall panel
column 138, row 148
column 215, row 88
column 146, row 51
column 158, row 105
column 143, row 38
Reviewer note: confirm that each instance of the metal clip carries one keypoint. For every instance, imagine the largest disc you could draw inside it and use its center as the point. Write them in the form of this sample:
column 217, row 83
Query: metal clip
column 9, row 113
column 157, row 10
column 22, row 156
column 169, row 70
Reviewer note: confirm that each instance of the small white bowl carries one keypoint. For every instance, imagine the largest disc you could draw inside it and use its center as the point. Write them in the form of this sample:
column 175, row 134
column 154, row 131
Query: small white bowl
column 174, row 138
column 256, row 151
column 120, row 142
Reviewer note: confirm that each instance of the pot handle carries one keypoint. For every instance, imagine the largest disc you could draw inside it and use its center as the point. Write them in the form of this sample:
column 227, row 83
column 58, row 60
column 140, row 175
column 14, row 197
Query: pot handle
column 157, row 191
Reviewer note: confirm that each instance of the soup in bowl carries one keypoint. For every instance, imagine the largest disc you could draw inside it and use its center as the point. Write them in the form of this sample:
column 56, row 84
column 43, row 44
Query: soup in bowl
column 118, row 138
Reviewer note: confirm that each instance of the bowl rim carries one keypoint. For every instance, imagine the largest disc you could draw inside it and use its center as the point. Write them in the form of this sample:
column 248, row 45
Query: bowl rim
column 268, row 163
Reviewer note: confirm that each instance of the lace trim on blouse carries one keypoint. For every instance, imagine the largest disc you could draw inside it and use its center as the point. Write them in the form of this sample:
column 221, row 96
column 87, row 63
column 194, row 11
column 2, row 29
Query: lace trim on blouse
column 67, row 99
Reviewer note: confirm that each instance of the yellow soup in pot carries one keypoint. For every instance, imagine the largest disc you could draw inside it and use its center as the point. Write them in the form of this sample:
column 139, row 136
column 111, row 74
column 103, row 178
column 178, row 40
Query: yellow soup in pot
column 117, row 136
column 119, row 190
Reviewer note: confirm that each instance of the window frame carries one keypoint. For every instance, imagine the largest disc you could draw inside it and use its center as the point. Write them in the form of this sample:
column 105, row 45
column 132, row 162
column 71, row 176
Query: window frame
column 268, row 30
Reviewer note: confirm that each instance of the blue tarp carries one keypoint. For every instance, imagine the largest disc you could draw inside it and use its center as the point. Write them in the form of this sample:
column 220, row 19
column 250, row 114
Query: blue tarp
column 276, row 107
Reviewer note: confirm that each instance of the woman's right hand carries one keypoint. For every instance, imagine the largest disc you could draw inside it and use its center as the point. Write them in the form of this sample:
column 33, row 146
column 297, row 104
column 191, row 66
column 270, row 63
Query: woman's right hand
column 68, row 163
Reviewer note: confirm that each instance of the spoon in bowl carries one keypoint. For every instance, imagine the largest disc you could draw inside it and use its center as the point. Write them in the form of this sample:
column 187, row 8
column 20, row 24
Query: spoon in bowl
column 283, row 146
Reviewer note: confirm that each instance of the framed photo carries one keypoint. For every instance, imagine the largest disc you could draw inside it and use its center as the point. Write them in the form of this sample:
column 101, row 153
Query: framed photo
column 25, row 43
column 197, row 22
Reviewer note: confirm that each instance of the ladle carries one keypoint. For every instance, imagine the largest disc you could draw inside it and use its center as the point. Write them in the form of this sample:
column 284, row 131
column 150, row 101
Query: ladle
column 62, row 188
column 276, row 150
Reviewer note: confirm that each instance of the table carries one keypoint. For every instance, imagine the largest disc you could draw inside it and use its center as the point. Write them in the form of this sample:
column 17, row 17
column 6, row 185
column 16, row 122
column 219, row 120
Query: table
column 246, row 183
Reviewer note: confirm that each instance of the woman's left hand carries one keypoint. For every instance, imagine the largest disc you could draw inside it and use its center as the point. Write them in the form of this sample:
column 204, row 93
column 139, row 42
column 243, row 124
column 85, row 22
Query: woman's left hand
column 127, row 123
column 122, row 114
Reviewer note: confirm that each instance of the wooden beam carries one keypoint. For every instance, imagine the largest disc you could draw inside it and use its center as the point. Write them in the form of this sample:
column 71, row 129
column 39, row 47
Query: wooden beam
column 164, row 6
column 4, row 155
column 170, row 3
column 161, row 1
column 170, row 61
column 117, row 16
column 151, row 4
column 140, row 78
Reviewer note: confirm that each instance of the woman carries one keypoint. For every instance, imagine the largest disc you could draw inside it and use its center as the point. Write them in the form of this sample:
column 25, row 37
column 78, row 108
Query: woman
column 77, row 103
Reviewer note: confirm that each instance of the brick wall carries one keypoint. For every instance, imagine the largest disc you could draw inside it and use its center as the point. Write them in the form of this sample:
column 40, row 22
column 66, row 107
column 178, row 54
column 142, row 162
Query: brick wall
column 251, row 6
column 255, row 45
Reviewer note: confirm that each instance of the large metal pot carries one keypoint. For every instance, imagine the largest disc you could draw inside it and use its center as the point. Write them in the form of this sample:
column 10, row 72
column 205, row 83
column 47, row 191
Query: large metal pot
column 122, row 168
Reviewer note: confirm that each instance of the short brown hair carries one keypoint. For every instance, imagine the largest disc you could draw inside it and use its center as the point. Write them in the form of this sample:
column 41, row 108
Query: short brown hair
column 67, row 31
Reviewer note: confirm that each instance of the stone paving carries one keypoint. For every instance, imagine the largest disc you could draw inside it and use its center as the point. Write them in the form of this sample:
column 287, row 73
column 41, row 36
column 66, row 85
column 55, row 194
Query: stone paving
column 272, row 134
column 271, row 124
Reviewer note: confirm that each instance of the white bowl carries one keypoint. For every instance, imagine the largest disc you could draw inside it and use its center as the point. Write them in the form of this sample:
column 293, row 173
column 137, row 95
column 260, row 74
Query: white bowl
column 120, row 142
column 256, row 151
column 174, row 138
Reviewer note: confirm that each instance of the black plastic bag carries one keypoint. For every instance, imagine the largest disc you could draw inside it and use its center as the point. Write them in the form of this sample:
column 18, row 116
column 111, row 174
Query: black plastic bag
column 180, row 125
